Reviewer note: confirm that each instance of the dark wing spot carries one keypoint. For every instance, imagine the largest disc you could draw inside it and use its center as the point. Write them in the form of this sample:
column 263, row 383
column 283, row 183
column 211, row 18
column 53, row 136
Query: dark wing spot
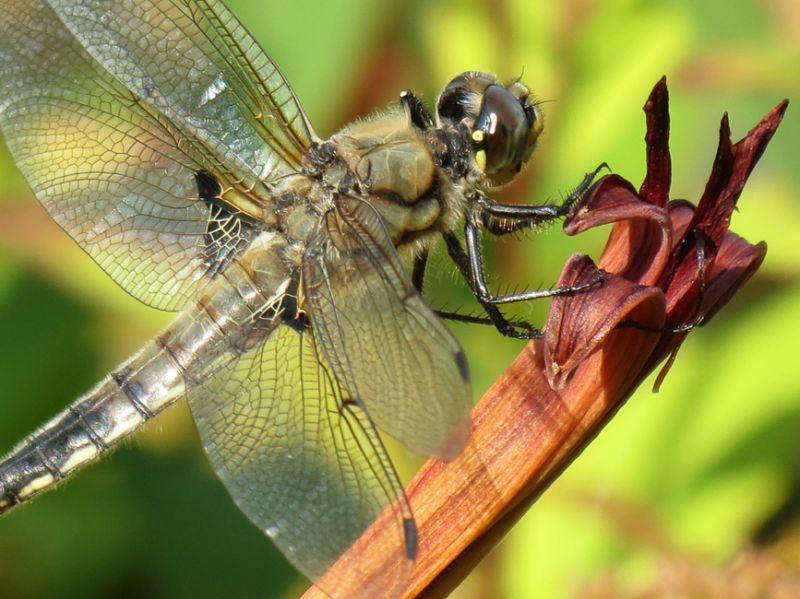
column 228, row 232
column 207, row 186
column 410, row 530
column 463, row 366
column 287, row 311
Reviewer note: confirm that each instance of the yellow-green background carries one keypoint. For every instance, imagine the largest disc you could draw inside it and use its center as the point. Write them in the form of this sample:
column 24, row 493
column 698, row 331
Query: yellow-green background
column 698, row 471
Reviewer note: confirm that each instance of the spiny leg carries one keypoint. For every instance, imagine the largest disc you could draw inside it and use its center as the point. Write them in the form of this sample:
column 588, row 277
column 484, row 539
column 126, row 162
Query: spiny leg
column 477, row 278
column 418, row 279
column 460, row 257
column 502, row 219
column 482, row 320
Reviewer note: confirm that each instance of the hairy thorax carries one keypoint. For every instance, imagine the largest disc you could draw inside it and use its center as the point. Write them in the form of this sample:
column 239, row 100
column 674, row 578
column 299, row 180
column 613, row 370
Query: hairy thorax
column 395, row 166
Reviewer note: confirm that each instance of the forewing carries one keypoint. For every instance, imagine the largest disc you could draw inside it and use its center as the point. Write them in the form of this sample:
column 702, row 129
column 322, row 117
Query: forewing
column 194, row 62
column 386, row 346
column 120, row 181
column 303, row 461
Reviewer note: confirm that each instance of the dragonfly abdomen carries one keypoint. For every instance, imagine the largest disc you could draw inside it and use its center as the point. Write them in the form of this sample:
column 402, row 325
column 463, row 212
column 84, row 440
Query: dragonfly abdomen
column 205, row 337
column 88, row 428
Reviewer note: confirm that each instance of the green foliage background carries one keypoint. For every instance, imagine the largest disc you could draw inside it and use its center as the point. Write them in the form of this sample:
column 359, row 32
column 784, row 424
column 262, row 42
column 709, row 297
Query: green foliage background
column 701, row 470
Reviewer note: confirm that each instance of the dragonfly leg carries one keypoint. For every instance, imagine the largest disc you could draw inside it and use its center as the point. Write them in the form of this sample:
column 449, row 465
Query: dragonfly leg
column 474, row 255
column 503, row 219
column 420, row 115
column 418, row 274
column 500, row 219
column 701, row 316
column 418, row 278
column 474, row 319
column 509, row 328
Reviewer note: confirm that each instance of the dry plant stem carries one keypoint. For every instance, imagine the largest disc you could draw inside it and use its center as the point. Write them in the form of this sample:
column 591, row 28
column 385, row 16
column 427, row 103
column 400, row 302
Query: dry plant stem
column 528, row 434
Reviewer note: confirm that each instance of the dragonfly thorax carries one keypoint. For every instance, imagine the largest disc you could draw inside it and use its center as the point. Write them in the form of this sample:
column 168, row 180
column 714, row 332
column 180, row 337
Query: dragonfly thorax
column 395, row 167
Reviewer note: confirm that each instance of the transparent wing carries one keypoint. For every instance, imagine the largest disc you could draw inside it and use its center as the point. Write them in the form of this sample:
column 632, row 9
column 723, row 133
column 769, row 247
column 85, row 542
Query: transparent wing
column 302, row 460
column 108, row 172
column 195, row 63
column 381, row 339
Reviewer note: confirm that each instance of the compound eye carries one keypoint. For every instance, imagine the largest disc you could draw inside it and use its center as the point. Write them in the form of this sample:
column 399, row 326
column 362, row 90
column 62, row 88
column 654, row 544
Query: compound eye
column 454, row 100
column 502, row 131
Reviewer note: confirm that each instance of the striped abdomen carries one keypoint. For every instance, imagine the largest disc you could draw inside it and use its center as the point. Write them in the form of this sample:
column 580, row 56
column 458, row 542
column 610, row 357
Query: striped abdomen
column 202, row 339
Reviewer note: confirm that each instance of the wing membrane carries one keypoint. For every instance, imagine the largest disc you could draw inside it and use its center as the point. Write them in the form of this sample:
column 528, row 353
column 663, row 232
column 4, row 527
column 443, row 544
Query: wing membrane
column 302, row 460
column 194, row 62
column 115, row 159
column 120, row 182
column 381, row 339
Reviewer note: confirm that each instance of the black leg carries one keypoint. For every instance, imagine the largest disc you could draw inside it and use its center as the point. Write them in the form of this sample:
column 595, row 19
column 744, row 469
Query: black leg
column 478, row 280
column 516, row 329
column 418, row 279
column 418, row 274
column 468, row 318
column 502, row 219
column 420, row 116
column 484, row 320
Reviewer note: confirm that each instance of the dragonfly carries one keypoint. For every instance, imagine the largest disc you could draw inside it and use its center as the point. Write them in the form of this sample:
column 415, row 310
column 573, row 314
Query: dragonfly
column 164, row 140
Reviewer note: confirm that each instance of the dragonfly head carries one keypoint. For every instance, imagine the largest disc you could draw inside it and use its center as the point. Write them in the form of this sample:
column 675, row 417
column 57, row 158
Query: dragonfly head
column 502, row 122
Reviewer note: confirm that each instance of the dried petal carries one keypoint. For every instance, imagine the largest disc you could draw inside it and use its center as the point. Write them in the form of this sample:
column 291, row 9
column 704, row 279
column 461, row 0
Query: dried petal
column 578, row 325
column 655, row 187
column 641, row 240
